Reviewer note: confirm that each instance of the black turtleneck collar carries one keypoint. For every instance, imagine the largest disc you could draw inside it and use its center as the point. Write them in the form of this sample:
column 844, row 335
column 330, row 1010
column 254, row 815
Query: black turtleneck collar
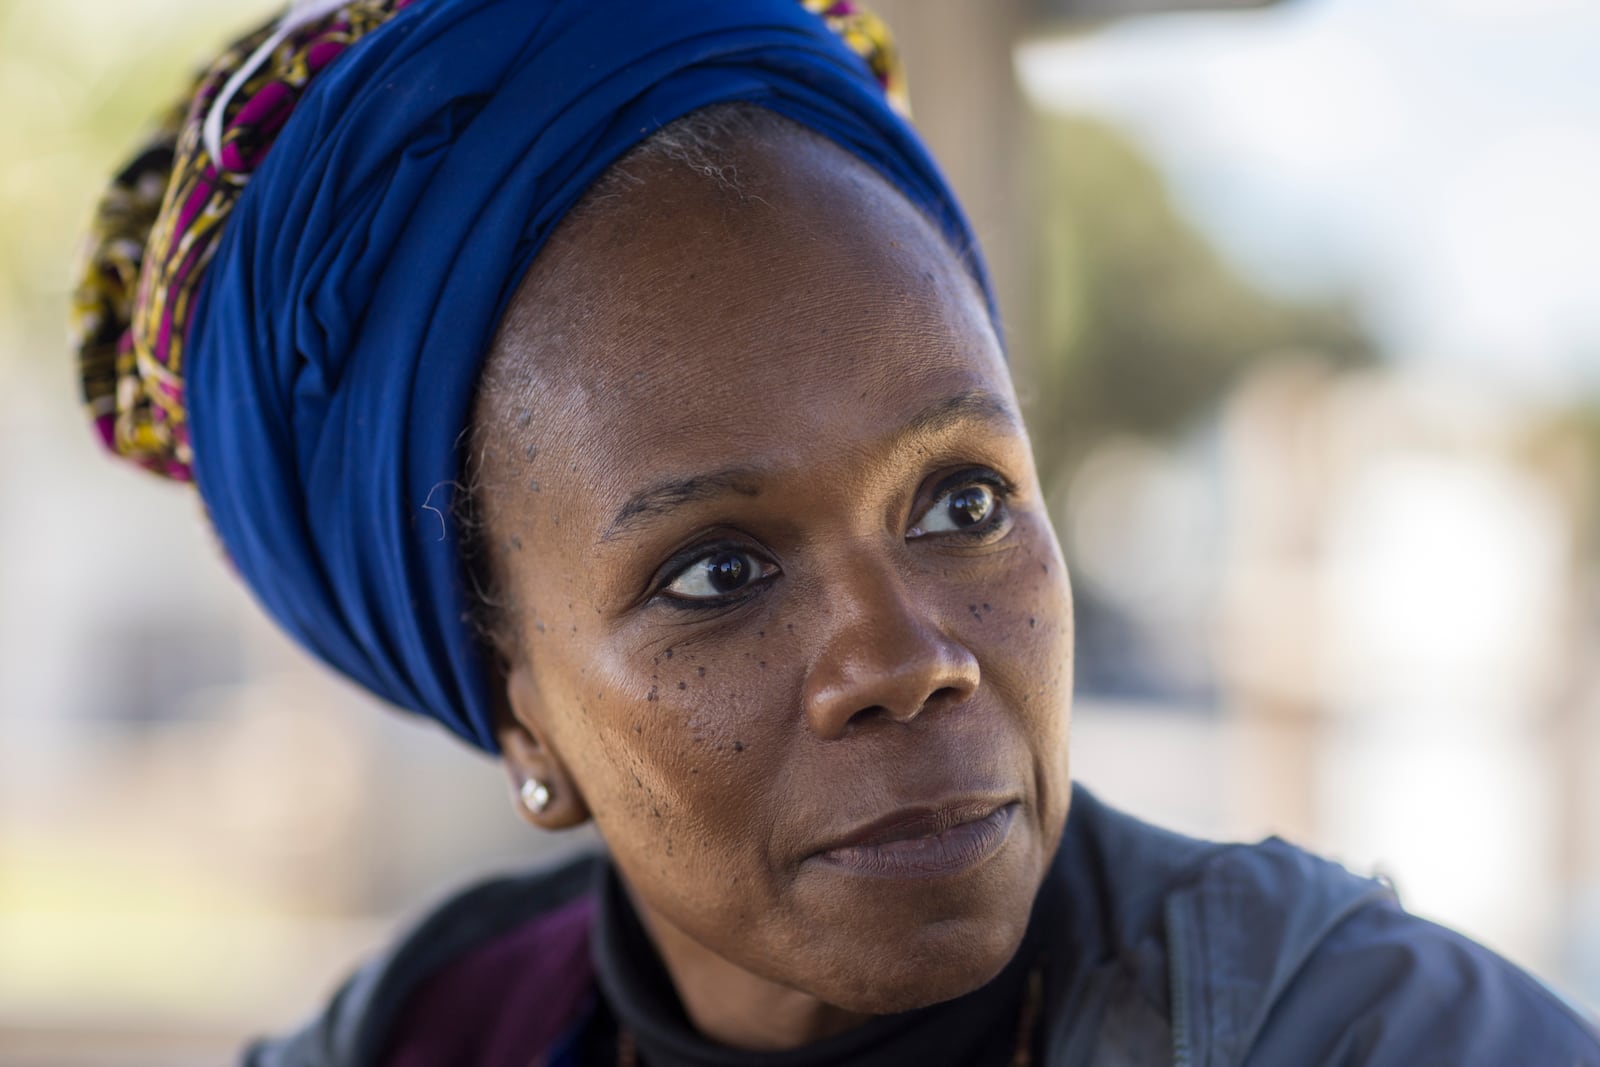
column 976, row 1030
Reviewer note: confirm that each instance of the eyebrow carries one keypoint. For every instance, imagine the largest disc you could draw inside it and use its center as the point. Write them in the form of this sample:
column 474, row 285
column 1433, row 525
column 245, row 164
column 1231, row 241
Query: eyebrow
column 974, row 405
column 663, row 497
column 647, row 505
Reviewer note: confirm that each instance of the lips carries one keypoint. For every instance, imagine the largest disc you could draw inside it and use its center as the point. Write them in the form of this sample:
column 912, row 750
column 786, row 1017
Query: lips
column 924, row 842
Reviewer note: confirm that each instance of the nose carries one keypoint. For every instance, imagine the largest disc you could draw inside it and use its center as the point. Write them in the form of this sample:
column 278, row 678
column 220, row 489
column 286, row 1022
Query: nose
column 885, row 658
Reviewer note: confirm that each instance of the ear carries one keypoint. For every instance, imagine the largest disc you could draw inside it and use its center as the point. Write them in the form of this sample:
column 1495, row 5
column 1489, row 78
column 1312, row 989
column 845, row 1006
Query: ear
column 525, row 750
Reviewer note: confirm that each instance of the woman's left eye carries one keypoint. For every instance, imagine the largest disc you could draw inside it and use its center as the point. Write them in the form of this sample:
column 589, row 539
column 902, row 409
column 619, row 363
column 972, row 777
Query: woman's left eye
column 973, row 507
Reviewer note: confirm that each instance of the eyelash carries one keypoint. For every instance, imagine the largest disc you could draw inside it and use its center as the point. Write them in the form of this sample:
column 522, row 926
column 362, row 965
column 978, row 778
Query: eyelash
column 680, row 562
column 996, row 483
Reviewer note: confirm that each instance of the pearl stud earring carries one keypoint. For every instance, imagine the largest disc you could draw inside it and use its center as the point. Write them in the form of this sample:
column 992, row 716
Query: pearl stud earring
column 535, row 795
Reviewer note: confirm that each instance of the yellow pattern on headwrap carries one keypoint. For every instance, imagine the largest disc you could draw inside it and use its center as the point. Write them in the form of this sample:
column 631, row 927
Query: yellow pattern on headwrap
column 156, row 228
column 868, row 37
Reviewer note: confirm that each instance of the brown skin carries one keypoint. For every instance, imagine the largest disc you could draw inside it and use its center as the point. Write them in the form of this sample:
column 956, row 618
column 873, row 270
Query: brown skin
column 811, row 330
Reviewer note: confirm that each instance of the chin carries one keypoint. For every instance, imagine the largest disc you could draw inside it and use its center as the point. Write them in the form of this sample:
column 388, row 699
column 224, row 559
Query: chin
column 950, row 961
column 903, row 945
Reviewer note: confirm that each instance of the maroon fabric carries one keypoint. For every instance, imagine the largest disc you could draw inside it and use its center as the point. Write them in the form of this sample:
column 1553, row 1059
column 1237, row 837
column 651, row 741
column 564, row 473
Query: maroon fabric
column 505, row 1003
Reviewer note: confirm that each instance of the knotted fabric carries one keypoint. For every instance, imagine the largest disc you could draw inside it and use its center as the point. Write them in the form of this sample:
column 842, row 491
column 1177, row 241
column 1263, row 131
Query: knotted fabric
column 300, row 325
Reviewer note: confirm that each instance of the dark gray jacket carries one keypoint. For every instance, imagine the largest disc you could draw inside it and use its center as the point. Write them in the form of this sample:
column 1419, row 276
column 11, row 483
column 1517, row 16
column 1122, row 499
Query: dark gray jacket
column 1165, row 951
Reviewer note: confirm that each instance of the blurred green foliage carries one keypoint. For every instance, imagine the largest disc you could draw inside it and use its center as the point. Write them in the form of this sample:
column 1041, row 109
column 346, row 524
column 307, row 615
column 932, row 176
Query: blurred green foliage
column 1139, row 326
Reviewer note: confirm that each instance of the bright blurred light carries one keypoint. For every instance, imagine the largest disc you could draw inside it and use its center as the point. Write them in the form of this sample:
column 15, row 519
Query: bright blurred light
column 1464, row 819
column 1523, row 10
column 1506, row 241
column 1139, row 527
column 1443, row 586
column 1437, row 161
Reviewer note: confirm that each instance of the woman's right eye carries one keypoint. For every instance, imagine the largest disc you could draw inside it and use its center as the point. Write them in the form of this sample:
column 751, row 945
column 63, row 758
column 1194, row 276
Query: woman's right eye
column 719, row 574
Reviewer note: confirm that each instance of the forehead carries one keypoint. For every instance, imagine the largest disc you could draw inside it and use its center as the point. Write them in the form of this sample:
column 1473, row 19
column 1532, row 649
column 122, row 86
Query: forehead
column 797, row 307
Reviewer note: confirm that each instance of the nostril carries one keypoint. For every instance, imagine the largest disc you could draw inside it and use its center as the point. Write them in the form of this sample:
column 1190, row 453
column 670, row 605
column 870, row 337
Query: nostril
column 867, row 714
column 938, row 698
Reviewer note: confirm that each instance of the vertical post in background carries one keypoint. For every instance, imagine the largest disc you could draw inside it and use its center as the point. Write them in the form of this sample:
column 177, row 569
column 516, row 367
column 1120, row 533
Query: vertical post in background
column 969, row 108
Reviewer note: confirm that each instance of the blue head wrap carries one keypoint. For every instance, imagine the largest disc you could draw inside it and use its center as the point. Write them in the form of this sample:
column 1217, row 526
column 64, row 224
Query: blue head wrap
column 355, row 289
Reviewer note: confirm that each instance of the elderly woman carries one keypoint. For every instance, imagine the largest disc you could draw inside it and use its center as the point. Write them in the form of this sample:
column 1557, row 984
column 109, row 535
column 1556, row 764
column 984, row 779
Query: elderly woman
column 618, row 383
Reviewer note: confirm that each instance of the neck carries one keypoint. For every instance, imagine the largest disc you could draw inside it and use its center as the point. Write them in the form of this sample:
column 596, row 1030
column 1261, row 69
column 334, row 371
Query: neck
column 733, row 1007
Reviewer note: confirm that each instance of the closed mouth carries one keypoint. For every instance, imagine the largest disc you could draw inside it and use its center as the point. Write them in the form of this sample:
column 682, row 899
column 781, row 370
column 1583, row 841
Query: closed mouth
column 925, row 843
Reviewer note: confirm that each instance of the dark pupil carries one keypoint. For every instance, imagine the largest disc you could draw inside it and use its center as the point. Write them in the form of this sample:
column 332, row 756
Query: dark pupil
column 726, row 571
column 970, row 506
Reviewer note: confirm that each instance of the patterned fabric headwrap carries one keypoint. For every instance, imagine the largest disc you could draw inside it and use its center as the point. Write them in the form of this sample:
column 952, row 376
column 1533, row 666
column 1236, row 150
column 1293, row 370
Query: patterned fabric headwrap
column 290, row 291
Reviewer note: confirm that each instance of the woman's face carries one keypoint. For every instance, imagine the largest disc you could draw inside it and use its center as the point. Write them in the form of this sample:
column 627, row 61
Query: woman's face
column 792, row 620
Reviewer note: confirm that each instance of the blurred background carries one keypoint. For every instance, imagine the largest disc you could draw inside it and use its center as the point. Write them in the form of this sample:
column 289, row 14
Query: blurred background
column 1301, row 297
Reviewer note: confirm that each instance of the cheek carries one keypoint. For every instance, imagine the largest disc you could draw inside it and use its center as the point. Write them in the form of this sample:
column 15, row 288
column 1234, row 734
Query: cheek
column 1017, row 615
column 672, row 748
column 1049, row 634
column 1022, row 633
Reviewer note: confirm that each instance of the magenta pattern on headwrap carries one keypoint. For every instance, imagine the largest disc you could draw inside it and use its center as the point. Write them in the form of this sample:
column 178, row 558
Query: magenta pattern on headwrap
column 156, row 230
column 157, row 226
column 299, row 328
